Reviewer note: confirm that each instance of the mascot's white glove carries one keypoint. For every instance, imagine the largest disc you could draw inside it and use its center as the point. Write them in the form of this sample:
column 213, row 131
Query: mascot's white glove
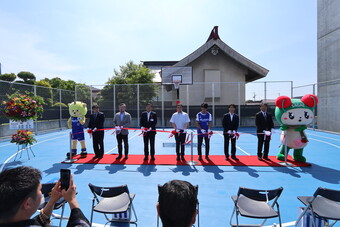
column 209, row 131
column 178, row 131
column 149, row 129
column 203, row 131
column 184, row 131
column 95, row 129
column 229, row 132
column 267, row 133
column 142, row 128
column 234, row 132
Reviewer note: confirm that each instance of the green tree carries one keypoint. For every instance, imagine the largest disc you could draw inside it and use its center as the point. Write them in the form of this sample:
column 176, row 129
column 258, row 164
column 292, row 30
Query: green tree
column 44, row 90
column 8, row 77
column 126, row 80
column 56, row 82
column 27, row 77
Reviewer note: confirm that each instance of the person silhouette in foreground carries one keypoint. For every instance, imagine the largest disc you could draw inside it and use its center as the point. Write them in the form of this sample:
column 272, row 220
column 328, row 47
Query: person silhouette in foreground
column 20, row 197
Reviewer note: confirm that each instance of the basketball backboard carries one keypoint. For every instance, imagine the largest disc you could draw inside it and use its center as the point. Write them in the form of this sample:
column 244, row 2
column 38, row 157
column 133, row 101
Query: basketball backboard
column 171, row 74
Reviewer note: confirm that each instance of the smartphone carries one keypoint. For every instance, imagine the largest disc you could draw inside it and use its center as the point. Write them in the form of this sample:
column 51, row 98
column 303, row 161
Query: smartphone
column 65, row 178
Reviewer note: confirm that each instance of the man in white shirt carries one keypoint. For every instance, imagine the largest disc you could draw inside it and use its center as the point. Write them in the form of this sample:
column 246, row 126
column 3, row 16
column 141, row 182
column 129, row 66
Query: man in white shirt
column 180, row 122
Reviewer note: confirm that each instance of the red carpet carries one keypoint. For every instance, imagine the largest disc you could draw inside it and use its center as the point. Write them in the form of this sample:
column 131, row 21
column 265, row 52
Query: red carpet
column 217, row 160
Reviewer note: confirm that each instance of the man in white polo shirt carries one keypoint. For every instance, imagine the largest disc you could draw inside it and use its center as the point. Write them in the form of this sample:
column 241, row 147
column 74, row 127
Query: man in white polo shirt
column 180, row 121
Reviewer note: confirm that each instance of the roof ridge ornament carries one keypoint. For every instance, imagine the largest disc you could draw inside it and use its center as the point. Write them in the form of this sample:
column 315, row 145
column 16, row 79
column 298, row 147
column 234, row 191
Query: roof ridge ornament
column 214, row 34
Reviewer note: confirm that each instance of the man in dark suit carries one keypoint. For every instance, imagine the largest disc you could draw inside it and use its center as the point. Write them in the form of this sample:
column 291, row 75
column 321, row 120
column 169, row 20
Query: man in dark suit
column 97, row 119
column 148, row 121
column 264, row 125
column 230, row 124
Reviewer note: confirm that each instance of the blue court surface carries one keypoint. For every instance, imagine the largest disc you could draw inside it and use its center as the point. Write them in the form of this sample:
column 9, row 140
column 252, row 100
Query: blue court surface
column 216, row 183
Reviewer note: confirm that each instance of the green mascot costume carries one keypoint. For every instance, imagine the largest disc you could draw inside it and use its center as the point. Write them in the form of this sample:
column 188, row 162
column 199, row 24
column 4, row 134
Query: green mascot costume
column 294, row 115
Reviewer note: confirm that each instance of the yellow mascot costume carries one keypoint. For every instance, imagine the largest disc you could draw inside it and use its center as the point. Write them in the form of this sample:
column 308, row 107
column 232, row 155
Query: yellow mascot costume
column 76, row 121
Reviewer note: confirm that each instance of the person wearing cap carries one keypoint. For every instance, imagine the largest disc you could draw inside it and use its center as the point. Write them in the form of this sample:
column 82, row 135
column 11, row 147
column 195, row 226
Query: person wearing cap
column 180, row 122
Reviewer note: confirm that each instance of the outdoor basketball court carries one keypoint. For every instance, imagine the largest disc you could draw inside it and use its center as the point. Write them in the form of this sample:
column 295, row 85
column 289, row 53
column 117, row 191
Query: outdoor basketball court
column 217, row 183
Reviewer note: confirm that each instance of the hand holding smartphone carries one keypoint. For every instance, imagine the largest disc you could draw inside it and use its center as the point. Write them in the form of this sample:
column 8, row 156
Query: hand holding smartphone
column 65, row 178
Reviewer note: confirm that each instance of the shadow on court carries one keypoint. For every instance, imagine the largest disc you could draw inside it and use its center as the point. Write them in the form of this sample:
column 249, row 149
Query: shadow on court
column 146, row 170
column 323, row 173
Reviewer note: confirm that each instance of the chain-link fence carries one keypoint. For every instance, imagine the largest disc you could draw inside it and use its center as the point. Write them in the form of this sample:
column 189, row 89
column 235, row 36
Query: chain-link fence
column 246, row 96
column 163, row 98
column 55, row 113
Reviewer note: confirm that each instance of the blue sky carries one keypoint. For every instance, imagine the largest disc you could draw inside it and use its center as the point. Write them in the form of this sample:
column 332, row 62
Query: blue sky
column 85, row 40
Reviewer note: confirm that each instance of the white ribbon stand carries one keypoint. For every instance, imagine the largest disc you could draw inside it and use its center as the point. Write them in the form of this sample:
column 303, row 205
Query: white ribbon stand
column 285, row 163
column 71, row 160
column 192, row 162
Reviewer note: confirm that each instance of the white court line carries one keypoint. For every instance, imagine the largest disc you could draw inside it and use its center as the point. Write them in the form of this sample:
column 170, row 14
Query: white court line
column 292, row 223
column 39, row 137
column 5, row 162
column 116, row 146
column 323, row 137
column 325, row 142
column 237, row 146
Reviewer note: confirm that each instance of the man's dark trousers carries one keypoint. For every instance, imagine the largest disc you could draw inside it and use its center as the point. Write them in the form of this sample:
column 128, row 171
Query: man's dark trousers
column 180, row 142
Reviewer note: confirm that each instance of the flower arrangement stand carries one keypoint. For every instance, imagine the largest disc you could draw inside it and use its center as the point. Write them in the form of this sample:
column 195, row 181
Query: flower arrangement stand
column 21, row 148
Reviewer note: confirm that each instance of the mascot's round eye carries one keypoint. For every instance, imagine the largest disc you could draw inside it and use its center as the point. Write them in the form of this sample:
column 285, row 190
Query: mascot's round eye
column 306, row 115
column 291, row 115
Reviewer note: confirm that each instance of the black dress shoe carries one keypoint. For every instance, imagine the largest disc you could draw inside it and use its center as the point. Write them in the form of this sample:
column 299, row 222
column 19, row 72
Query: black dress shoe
column 178, row 158
column 260, row 159
column 126, row 157
column 227, row 158
column 199, row 158
column 182, row 158
column 119, row 157
column 235, row 158
column 146, row 158
column 152, row 158
column 94, row 157
column 207, row 158
column 100, row 157
column 266, row 158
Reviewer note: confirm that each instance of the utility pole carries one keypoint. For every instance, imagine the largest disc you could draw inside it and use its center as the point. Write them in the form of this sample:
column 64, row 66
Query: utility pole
column 0, row 68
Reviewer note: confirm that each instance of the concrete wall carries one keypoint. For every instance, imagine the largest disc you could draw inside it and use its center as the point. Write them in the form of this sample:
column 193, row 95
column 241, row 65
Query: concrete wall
column 230, row 70
column 328, row 64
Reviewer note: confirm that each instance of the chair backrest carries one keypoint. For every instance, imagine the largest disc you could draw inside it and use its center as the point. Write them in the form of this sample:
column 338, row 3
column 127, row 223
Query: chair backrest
column 46, row 190
column 328, row 193
column 260, row 195
column 108, row 191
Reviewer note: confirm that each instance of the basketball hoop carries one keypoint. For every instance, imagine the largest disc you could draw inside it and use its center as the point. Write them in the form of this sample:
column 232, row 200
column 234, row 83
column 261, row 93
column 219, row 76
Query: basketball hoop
column 176, row 84
column 176, row 80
